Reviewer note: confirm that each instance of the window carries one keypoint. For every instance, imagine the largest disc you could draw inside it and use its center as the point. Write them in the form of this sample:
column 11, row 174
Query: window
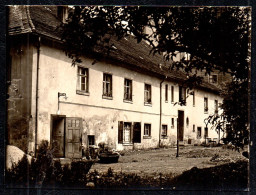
column 147, row 129
column 216, row 106
column 107, row 85
column 199, row 129
column 205, row 132
column 164, row 130
column 205, row 104
column 128, row 89
column 172, row 123
column 194, row 98
column 127, row 133
column 91, row 139
column 147, row 94
column 172, row 95
column 182, row 95
column 187, row 121
column 213, row 78
column 82, row 80
column 166, row 93
column 194, row 128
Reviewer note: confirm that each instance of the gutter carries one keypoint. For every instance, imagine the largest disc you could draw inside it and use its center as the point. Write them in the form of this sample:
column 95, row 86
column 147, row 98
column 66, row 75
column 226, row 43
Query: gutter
column 37, row 84
column 160, row 120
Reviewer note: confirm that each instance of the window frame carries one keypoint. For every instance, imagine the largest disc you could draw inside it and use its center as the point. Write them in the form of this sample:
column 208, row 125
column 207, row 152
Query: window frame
column 130, row 139
column 206, row 105
column 212, row 80
column 79, row 89
column 206, row 132
column 194, row 99
column 146, row 102
column 130, row 89
column 166, row 93
column 164, row 130
column 197, row 134
column 182, row 95
column 216, row 106
column 90, row 138
column 172, row 123
column 108, row 95
column 172, row 93
column 187, row 122
column 148, row 135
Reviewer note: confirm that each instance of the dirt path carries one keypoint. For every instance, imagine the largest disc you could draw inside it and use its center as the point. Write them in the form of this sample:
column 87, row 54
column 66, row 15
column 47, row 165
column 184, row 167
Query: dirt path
column 153, row 162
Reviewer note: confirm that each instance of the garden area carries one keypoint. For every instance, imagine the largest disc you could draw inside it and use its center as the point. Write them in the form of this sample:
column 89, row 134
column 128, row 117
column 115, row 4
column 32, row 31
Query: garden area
column 197, row 167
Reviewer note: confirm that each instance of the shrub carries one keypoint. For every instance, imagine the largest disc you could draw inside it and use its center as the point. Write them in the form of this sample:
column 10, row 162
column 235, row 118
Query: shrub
column 44, row 171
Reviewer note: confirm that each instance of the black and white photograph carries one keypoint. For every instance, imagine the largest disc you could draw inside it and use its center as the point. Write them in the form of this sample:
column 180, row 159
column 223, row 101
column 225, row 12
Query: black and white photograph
column 128, row 97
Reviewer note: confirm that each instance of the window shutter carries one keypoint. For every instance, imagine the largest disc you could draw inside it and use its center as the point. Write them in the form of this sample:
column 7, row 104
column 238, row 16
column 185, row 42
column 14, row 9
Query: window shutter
column 120, row 131
column 131, row 134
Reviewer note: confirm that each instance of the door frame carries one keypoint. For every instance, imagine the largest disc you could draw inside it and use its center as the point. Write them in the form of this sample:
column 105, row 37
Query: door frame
column 51, row 129
column 178, row 125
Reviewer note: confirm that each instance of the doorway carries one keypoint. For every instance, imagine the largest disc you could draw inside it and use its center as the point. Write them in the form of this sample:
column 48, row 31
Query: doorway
column 58, row 127
column 66, row 136
column 180, row 125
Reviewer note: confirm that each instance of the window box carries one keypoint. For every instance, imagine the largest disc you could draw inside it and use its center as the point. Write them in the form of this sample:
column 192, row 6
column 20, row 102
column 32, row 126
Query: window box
column 146, row 137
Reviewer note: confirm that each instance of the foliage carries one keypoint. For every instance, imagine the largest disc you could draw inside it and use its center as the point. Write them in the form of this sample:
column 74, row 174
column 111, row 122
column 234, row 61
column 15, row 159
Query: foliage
column 47, row 172
column 227, row 176
column 217, row 38
column 234, row 113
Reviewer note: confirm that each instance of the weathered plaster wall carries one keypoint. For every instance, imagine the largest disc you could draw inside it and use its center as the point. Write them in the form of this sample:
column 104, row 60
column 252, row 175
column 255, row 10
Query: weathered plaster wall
column 19, row 91
column 100, row 116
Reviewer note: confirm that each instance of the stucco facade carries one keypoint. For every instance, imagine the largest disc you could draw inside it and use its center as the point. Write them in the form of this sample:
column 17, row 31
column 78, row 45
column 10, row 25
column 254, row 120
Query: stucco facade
column 127, row 103
column 99, row 115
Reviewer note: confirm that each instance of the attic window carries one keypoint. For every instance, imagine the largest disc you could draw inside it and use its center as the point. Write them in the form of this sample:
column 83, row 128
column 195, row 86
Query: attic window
column 62, row 13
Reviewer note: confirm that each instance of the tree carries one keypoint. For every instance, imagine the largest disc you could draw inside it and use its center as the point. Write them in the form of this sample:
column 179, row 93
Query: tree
column 218, row 38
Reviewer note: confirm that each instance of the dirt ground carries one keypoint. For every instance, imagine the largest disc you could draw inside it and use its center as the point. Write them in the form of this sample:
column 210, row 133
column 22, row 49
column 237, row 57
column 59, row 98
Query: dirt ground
column 155, row 161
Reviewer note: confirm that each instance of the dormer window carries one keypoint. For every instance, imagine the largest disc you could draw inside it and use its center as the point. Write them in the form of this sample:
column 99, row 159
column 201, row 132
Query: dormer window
column 213, row 79
column 62, row 13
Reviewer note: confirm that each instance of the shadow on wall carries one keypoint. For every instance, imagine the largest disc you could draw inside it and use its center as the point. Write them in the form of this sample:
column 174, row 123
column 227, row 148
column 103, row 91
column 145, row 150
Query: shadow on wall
column 18, row 132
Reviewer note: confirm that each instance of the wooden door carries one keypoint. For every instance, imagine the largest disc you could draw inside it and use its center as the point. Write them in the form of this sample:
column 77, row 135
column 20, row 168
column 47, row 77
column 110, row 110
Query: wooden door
column 73, row 138
column 58, row 126
column 180, row 125
column 137, row 133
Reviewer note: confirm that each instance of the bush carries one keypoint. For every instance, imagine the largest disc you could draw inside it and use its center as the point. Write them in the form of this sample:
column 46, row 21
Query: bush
column 44, row 171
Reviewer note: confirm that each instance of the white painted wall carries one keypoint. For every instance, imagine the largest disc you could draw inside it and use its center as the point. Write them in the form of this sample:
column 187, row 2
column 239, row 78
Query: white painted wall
column 100, row 116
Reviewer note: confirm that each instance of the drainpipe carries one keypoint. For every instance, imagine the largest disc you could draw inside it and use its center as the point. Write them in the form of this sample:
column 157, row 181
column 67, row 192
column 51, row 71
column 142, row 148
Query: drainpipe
column 37, row 83
column 160, row 122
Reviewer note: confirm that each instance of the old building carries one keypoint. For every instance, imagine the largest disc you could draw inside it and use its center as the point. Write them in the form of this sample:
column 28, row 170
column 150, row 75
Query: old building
column 127, row 99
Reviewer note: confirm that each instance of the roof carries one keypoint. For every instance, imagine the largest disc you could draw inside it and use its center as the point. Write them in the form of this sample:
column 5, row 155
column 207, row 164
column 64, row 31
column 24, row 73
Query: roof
column 43, row 20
